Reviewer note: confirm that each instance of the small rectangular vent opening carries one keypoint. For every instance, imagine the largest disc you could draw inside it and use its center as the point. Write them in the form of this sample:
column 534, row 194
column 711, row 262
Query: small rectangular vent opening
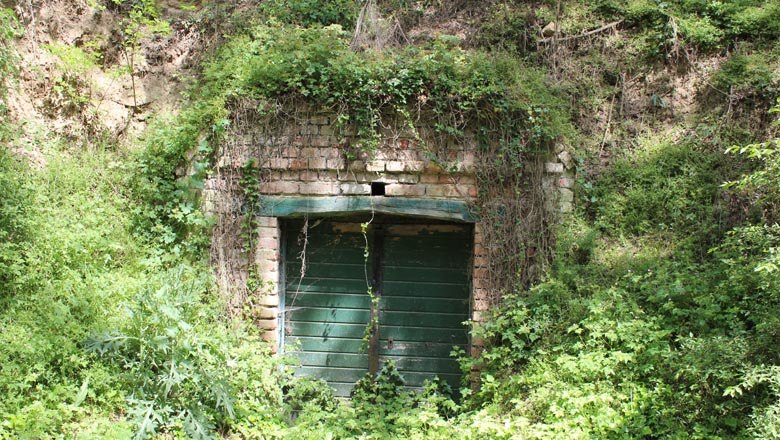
column 378, row 188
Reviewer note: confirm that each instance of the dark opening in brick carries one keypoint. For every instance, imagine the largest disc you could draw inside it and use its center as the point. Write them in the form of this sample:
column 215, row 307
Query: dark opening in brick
column 378, row 188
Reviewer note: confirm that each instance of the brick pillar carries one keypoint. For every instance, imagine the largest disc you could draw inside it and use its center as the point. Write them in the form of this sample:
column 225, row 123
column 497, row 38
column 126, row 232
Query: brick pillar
column 480, row 297
column 267, row 265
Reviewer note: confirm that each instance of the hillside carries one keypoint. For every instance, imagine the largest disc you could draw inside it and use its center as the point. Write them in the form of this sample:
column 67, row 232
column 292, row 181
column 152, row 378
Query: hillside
column 648, row 308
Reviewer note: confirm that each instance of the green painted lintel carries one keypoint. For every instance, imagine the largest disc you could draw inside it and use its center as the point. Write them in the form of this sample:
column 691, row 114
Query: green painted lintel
column 280, row 206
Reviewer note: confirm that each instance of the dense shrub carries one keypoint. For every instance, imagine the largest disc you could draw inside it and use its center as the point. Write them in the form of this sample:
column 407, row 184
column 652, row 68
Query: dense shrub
column 314, row 12
column 181, row 367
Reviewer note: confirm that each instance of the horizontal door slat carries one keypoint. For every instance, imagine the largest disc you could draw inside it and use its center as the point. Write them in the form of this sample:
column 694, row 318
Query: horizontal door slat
column 333, row 300
column 333, row 359
column 422, row 319
column 416, row 349
column 333, row 374
column 426, row 365
column 415, row 379
column 328, row 270
column 417, row 334
column 332, row 345
column 412, row 304
column 328, row 285
column 425, row 274
column 416, row 289
column 328, row 330
column 328, row 315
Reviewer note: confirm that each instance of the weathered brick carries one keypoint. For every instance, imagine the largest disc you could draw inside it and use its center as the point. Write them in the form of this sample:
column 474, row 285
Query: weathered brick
column 318, row 163
column 432, row 168
column 336, row 164
column 268, row 243
column 467, row 158
column 480, row 261
column 290, row 152
column 394, row 166
column 267, row 266
column 481, row 304
column 290, row 175
column 376, row 166
column 309, row 176
column 321, row 141
column 553, row 167
column 467, row 179
column 429, row 178
column 441, row 190
column 320, row 120
column 267, row 324
column 319, row 188
column 268, row 232
column 481, row 294
column 401, row 190
column 386, row 178
column 384, row 155
column 567, row 195
column 366, row 177
column 407, row 178
column 266, row 255
column 566, row 182
column 328, row 176
column 355, row 189
column 272, row 337
column 480, row 283
column 278, row 163
column 266, row 312
column 356, row 165
column 267, row 221
column 480, row 273
column 299, row 164
column 267, row 300
column 279, row 187
column 270, row 280
column 414, row 166
column 331, row 153
column 566, row 159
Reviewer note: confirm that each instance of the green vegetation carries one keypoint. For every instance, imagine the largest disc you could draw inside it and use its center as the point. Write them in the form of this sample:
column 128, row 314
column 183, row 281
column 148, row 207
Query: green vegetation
column 313, row 12
column 658, row 317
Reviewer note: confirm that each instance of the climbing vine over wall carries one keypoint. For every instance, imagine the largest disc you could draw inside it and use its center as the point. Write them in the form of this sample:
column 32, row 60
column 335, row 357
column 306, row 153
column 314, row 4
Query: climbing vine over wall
column 438, row 95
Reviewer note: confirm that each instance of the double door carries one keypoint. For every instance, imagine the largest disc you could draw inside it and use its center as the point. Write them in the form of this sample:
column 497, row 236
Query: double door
column 360, row 292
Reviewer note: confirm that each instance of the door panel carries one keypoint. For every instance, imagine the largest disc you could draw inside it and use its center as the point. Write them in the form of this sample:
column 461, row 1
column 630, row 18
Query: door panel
column 327, row 310
column 425, row 272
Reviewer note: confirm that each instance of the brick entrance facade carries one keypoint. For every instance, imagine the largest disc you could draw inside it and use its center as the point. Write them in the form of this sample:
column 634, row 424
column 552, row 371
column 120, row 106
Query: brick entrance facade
column 307, row 158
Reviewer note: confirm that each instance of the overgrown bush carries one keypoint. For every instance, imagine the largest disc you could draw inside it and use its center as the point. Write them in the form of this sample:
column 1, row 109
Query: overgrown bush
column 67, row 260
column 179, row 362
column 309, row 13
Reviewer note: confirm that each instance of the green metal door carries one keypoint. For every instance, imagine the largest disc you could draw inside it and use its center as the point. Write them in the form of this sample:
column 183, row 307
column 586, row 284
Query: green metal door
column 420, row 274
column 424, row 299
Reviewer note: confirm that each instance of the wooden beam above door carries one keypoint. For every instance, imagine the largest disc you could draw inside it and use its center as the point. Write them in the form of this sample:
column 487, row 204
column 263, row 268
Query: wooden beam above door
column 451, row 210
